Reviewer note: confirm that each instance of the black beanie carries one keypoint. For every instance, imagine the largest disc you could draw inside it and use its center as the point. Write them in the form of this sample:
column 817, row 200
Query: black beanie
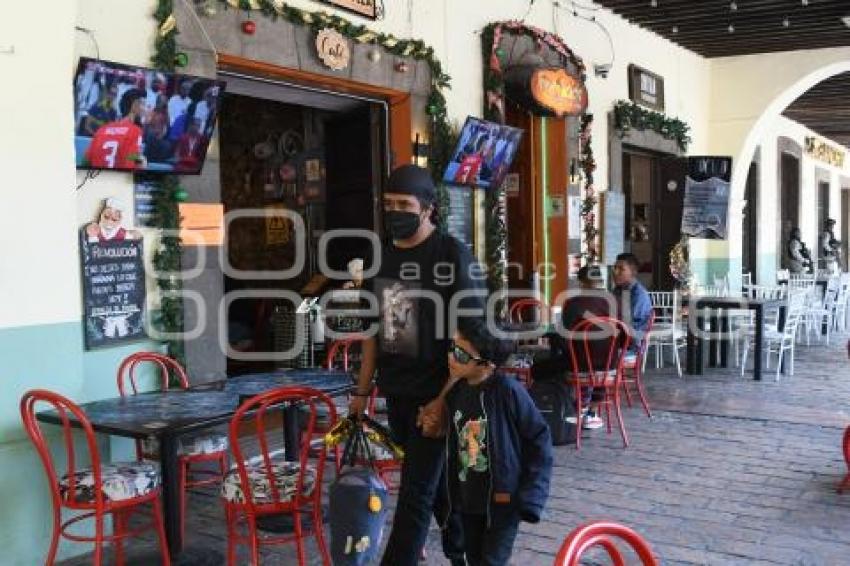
column 412, row 180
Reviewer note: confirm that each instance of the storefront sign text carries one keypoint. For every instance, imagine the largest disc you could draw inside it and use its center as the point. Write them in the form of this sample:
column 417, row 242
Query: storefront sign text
column 558, row 91
column 825, row 152
column 365, row 8
column 333, row 49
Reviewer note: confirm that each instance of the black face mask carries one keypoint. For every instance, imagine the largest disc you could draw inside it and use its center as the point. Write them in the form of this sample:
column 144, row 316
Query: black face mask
column 401, row 225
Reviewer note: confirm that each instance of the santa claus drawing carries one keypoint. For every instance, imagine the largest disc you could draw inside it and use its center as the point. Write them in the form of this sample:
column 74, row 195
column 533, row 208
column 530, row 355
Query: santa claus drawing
column 108, row 227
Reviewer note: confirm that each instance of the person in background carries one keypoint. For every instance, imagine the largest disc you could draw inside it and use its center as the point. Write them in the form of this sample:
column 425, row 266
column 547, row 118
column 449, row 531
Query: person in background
column 499, row 448
column 179, row 101
column 420, row 271
column 799, row 259
column 830, row 247
column 102, row 112
column 633, row 302
column 189, row 147
column 591, row 301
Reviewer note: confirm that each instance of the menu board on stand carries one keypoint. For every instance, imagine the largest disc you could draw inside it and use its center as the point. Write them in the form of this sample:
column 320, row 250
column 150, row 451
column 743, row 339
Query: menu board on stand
column 461, row 218
column 613, row 225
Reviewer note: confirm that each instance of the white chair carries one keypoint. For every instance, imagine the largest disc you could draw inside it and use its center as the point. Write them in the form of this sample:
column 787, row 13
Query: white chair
column 820, row 312
column 780, row 342
column 667, row 331
column 841, row 303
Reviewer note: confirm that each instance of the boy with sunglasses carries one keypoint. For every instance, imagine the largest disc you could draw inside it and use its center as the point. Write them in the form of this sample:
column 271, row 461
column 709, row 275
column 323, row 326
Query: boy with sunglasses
column 498, row 448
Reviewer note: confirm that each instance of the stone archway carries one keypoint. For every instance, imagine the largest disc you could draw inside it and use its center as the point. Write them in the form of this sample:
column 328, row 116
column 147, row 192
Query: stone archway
column 748, row 95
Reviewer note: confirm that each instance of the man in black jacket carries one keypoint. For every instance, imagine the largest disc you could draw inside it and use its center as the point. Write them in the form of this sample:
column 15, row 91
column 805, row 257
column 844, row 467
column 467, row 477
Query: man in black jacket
column 419, row 275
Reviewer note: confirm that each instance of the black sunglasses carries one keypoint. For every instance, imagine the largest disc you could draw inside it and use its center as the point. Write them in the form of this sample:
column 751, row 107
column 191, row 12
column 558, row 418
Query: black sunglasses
column 464, row 357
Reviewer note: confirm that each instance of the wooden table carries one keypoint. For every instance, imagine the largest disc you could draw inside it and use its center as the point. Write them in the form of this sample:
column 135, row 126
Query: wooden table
column 696, row 324
column 169, row 415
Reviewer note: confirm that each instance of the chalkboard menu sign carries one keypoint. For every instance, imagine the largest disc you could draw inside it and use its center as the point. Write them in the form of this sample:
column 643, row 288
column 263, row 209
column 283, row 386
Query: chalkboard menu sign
column 113, row 292
column 613, row 225
column 460, row 222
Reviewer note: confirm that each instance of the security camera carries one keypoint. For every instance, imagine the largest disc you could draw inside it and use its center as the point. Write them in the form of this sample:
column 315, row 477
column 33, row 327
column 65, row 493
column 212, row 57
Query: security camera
column 602, row 71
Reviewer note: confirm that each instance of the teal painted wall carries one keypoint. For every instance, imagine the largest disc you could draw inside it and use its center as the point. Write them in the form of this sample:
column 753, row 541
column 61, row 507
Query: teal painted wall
column 49, row 357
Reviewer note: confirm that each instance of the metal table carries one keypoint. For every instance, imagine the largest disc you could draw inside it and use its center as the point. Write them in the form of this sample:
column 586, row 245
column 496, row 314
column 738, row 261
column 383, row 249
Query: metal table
column 720, row 322
column 169, row 415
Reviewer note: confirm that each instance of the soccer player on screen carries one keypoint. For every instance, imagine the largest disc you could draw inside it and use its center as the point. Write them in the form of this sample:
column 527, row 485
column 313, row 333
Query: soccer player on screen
column 118, row 144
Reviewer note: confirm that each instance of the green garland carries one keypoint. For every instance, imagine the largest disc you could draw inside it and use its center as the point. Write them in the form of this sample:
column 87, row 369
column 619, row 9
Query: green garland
column 169, row 317
column 588, row 203
column 628, row 116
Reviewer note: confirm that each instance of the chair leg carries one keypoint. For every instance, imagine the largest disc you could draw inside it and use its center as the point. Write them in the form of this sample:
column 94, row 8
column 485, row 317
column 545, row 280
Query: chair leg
column 744, row 357
column 184, row 493
column 676, row 359
column 621, row 422
column 255, row 542
column 230, row 519
column 578, row 417
column 54, row 538
column 319, row 529
column 98, row 541
column 160, row 531
column 119, row 525
column 625, row 385
column 845, row 483
column 299, row 538
column 642, row 394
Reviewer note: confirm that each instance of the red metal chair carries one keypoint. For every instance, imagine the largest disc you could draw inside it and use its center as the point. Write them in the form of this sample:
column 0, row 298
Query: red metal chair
column 634, row 364
column 610, row 337
column 845, row 483
column 193, row 449
column 516, row 310
column 267, row 483
column 96, row 490
column 587, row 536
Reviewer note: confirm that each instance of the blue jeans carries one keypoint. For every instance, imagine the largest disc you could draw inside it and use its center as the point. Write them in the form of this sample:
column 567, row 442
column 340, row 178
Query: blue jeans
column 490, row 546
column 422, row 492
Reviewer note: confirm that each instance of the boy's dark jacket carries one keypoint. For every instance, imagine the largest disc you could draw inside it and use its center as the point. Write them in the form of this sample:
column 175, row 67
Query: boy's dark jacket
column 519, row 449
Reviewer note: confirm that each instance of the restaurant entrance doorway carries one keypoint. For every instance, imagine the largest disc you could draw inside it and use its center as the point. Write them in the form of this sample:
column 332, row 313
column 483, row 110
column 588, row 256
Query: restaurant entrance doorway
column 291, row 157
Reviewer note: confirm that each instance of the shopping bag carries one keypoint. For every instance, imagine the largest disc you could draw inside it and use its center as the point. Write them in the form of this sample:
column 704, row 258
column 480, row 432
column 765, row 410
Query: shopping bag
column 358, row 503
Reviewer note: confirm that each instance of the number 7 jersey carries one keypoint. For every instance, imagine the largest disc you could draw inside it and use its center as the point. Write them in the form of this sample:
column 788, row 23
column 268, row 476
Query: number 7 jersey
column 116, row 145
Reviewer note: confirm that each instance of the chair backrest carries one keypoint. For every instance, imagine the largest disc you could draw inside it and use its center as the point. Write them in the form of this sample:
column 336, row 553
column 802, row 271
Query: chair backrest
column 603, row 534
column 340, row 351
column 541, row 310
column 765, row 292
column 167, row 366
column 747, row 278
column 663, row 305
column 67, row 411
column 251, row 427
column 598, row 345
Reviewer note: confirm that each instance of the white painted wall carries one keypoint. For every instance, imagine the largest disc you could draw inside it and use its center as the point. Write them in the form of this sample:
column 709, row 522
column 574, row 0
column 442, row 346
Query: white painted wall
column 769, row 190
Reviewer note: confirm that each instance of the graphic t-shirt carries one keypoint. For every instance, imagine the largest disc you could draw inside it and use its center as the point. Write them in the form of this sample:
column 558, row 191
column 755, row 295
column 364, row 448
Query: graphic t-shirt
column 414, row 288
column 116, row 145
column 469, row 425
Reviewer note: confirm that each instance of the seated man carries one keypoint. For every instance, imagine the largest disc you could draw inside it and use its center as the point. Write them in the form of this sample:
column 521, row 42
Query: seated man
column 591, row 301
column 634, row 304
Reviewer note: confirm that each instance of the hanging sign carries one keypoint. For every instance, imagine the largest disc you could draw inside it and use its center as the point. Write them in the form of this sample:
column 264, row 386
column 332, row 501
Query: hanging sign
column 822, row 151
column 546, row 91
column 559, row 91
column 366, row 8
column 333, row 49
column 646, row 88
column 706, row 208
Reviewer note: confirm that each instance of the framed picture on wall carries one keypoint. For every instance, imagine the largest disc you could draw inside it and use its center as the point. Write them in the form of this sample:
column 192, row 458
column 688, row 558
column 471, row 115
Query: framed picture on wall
column 646, row 88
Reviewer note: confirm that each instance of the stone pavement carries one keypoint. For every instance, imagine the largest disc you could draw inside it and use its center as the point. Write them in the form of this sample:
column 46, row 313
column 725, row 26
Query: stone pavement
column 728, row 471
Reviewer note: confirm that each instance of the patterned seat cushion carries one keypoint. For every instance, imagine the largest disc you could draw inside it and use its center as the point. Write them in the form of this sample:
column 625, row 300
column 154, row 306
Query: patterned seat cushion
column 285, row 476
column 120, row 481
column 189, row 445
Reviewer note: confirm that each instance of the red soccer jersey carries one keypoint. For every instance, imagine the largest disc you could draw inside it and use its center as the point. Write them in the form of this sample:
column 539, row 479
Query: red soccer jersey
column 116, row 145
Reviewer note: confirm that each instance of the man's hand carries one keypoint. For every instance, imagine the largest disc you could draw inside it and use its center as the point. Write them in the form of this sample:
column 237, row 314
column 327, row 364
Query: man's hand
column 432, row 418
column 357, row 405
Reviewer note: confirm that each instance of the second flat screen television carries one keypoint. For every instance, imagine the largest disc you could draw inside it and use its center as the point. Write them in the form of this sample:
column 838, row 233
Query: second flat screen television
column 138, row 119
column 484, row 153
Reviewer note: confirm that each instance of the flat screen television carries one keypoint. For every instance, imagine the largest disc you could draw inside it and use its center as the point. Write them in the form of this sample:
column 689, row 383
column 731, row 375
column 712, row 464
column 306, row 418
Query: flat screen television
column 137, row 119
column 484, row 153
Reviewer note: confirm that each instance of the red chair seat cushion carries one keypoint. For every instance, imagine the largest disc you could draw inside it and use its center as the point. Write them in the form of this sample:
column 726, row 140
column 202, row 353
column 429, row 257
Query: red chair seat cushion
column 120, row 481
column 285, row 477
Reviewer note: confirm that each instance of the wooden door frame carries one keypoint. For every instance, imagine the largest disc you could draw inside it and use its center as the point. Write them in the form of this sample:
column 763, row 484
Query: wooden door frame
column 399, row 109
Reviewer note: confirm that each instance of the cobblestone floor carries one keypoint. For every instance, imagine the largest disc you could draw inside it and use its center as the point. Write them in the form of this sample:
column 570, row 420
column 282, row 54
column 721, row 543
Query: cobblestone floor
column 728, row 471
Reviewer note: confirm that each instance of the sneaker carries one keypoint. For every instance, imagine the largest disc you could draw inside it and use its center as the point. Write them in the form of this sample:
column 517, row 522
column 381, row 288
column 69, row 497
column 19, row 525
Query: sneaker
column 592, row 422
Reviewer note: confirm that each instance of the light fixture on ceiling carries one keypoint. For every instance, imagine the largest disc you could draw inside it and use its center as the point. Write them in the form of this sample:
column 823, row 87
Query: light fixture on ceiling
column 786, row 22
column 804, row 2
column 733, row 6
column 731, row 28
column 675, row 29
column 846, row 20
column 653, row 3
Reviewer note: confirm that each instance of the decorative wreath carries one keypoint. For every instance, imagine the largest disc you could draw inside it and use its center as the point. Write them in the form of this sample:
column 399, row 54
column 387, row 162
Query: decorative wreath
column 679, row 264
